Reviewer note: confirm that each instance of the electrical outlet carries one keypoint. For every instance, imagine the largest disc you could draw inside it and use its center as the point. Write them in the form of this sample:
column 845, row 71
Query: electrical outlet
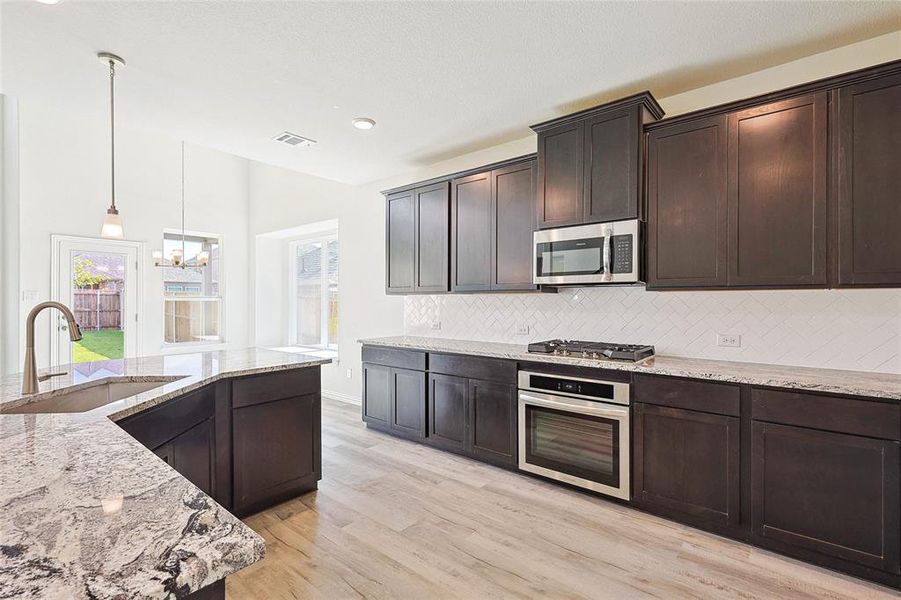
column 729, row 340
column 522, row 329
column 349, row 374
column 436, row 325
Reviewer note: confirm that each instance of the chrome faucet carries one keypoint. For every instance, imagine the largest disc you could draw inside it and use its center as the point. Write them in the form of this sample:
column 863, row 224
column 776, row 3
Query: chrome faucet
column 30, row 378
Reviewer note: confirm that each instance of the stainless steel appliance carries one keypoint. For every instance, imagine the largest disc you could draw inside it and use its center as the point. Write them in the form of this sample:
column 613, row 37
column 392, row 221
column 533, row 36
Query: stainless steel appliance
column 596, row 350
column 587, row 254
column 576, row 431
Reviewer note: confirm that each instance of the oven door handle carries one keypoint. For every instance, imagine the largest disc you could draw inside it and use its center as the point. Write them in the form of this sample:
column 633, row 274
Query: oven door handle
column 614, row 412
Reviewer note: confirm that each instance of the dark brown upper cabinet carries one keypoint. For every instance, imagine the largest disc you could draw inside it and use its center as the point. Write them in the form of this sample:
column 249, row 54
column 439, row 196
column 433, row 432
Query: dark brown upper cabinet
column 777, row 193
column 432, row 204
column 867, row 182
column 417, row 242
column 806, row 178
column 400, row 237
column 687, row 204
column 492, row 220
column 471, row 233
column 590, row 164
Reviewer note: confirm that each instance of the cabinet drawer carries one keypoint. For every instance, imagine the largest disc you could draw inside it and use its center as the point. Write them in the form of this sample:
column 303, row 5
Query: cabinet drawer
column 689, row 394
column 830, row 413
column 395, row 357
column 474, row 367
column 160, row 424
column 268, row 387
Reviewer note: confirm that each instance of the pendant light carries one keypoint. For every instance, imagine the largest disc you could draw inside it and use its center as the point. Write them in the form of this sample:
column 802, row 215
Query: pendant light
column 112, row 223
column 177, row 256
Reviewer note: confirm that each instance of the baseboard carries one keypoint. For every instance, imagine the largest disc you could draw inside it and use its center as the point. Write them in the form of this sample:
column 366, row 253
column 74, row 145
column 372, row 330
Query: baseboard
column 342, row 397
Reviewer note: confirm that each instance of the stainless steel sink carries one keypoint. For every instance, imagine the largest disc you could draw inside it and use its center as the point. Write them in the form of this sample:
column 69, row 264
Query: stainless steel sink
column 88, row 398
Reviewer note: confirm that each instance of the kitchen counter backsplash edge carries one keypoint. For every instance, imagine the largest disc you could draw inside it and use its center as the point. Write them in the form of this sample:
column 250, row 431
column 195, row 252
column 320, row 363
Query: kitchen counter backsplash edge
column 837, row 381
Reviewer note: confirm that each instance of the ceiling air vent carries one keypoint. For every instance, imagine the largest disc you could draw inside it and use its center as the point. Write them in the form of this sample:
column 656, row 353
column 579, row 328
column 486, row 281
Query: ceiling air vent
column 292, row 139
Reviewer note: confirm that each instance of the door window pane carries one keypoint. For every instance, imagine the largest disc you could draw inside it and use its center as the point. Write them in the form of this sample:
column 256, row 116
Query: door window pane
column 98, row 296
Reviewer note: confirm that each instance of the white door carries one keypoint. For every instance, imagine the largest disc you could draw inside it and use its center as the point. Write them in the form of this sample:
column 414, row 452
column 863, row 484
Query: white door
column 98, row 280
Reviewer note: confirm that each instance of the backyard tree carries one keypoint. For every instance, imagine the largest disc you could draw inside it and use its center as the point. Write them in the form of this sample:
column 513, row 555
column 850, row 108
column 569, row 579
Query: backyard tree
column 84, row 277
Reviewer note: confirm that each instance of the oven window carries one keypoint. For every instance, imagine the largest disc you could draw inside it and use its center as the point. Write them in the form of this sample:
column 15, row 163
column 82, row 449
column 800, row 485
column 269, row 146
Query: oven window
column 570, row 257
column 584, row 446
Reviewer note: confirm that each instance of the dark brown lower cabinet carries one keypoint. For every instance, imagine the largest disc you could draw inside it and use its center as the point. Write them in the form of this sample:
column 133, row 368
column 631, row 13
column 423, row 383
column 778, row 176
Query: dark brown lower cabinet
column 248, row 442
column 448, row 411
column 395, row 399
column 474, row 417
column 686, row 464
column 275, row 451
column 182, row 433
column 408, row 401
column 825, row 493
column 192, row 454
column 492, row 421
column 376, row 394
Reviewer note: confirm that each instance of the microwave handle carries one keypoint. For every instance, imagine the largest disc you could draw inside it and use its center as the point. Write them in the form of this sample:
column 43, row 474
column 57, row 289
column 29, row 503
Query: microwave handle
column 608, row 241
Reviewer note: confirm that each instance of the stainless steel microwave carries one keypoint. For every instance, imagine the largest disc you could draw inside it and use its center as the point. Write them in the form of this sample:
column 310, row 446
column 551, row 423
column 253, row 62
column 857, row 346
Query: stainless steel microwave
column 588, row 254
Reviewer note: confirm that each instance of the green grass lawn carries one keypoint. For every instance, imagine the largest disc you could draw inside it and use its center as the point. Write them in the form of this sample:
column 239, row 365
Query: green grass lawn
column 99, row 345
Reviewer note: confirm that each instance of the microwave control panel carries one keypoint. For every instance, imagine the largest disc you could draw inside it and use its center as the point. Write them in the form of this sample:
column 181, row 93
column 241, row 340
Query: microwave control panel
column 622, row 254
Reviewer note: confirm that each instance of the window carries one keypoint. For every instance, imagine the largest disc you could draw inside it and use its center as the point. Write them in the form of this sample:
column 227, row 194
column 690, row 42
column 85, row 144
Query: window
column 313, row 301
column 193, row 295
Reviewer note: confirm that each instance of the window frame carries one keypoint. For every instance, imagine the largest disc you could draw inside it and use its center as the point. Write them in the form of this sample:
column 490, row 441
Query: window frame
column 220, row 298
column 325, row 343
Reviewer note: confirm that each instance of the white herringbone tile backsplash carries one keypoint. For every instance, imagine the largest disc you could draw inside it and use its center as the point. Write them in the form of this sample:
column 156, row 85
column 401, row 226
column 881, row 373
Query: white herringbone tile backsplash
column 842, row 329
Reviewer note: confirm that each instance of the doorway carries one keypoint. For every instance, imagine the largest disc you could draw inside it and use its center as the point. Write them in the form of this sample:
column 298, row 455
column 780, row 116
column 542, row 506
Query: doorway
column 98, row 280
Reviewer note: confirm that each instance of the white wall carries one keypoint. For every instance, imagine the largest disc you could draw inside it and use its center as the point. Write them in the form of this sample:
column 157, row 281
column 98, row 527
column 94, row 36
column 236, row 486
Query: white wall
column 9, row 235
column 64, row 189
column 281, row 199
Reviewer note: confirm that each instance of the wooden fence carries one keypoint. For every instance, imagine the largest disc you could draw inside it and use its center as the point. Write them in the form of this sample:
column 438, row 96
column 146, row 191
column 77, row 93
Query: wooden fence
column 98, row 309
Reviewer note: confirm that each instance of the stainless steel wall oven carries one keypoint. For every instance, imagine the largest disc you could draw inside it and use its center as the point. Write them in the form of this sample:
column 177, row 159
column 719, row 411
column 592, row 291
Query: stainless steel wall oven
column 576, row 431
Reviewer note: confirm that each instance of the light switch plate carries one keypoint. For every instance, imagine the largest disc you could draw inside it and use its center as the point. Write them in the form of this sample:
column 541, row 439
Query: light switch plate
column 435, row 325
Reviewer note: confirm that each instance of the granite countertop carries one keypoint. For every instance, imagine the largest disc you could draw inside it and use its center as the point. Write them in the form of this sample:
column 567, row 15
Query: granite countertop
column 88, row 512
column 856, row 383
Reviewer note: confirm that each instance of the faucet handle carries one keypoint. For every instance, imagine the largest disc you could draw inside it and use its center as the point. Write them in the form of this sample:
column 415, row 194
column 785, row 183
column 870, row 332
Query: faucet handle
column 47, row 376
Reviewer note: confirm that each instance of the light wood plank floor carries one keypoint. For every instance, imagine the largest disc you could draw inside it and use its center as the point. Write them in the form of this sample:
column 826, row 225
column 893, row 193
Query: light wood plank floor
column 394, row 519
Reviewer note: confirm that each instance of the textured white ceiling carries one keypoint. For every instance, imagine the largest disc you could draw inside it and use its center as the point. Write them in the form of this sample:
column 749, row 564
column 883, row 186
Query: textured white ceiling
column 440, row 78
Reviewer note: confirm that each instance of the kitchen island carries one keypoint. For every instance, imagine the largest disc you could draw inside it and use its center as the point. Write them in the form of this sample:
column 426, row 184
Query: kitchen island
column 88, row 511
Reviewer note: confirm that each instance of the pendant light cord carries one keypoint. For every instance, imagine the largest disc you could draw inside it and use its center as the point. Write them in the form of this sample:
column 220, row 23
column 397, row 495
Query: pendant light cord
column 112, row 128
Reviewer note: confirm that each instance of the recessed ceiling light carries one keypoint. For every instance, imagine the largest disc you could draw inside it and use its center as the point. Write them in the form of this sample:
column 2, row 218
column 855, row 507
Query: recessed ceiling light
column 48, row 1
column 363, row 123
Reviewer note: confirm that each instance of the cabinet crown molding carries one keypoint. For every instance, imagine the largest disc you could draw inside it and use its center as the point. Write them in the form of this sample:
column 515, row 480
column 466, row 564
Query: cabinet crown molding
column 644, row 99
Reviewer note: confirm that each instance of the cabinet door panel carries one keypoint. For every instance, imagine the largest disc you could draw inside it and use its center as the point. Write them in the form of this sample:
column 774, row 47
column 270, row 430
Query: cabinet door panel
column 828, row 493
column 432, row 237
column 447, row 411
column 376, row 394
column 408, row 401
column 777, row 193
column 560, row 189
column 492, row 419
column 611, row 167
column 276, row 450
column 868, row 183
column 687, row 462
column 192, row 454
column 513, row 190
column 400, row 242
column 471, row 223
column 687, row 205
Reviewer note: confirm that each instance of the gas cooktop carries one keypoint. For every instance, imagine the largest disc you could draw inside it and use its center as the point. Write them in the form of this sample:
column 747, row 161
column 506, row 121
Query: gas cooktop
column 598, row 350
